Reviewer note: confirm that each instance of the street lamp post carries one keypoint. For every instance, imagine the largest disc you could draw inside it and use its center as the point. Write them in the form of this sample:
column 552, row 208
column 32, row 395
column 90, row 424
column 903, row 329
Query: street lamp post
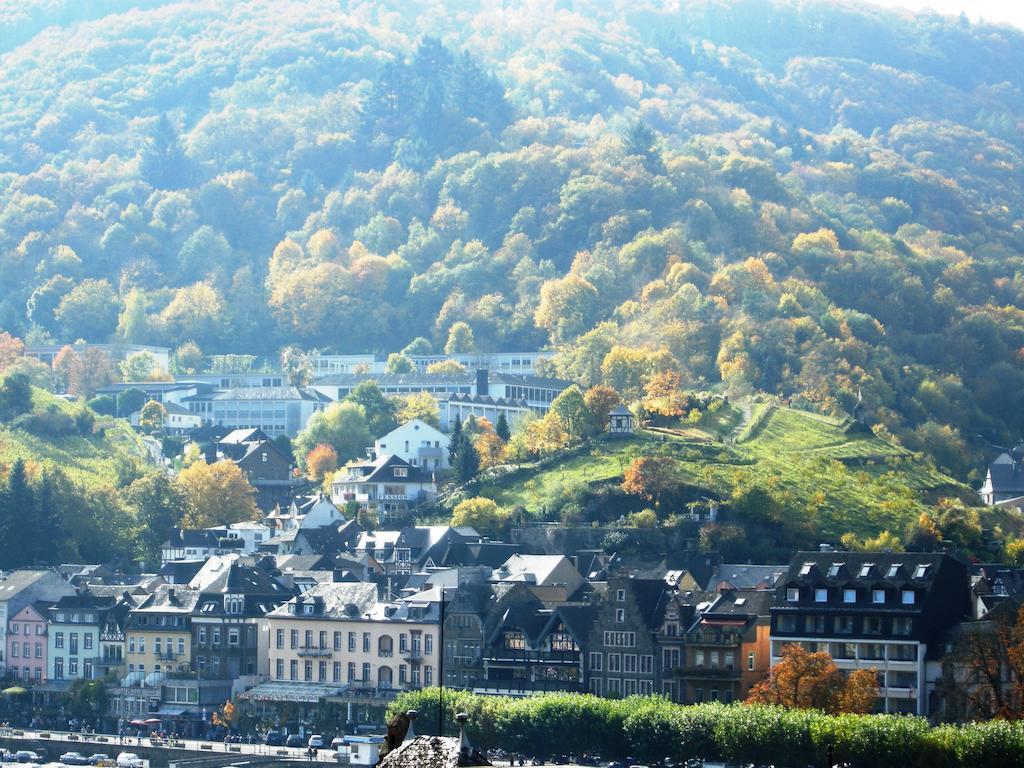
column 440, row 670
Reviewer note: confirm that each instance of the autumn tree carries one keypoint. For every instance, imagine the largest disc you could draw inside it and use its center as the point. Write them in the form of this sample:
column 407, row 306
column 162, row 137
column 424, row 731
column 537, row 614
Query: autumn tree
column 66, row 364
column 543, row 436
column 418, row 405
column 482, row 514
column 446, row 368
column 216, row 494
column 664, row 396
column 987, row 666
column 321, row 462
column 805, row 680
column 226, row 716
column 96, row 370
column 600, row 401
column 379, row 410
column 649, row 477
column 152, row 416
column 11, row 349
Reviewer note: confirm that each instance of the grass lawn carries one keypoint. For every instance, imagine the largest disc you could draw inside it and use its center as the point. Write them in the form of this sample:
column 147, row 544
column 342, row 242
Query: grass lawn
column 91, row 461
column 844, row 482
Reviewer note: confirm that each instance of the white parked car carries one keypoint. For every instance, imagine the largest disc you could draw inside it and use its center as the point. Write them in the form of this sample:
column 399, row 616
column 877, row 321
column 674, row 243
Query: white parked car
column 316, row 741
column 129, row 760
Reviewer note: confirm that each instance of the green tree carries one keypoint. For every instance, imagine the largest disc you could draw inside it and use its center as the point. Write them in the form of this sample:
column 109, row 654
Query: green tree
column 15, row 396
column 418, row 346
column 501, row 428
column 466, row 462
column 341, row 425
column 133, row 323
column 399, row 363
column 460, row 339
column 130, row 401
column 89, row 311
column 138, row 366
column 419, row 405
column 188, row 358
column 18, row 511
column 380, row 411
column 571, row 410
column 157, row 505
column 296, row 366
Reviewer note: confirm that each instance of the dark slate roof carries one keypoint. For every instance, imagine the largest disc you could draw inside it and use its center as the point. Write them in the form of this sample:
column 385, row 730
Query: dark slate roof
column 740, row 576
column 578, row 619
column 382, row 470
column 455, row 397
column 516, row 608
column 397, row 380
column 651, row 596
column 527, row 380
column 181, row 571
column 273, row 393
column 863, row 568
column 620, row 410
column 190, row 538
column 1007, row 475
column 337, row 600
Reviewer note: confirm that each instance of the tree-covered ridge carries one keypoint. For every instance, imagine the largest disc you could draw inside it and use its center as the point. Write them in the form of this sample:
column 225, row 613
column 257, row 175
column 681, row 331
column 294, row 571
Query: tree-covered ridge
column 820, row 202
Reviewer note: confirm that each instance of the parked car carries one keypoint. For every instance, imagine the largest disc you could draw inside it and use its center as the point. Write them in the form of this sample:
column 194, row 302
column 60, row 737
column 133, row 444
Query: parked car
column 6, row 756
column 100, row 759
column 129, row 760
column 294, row 740
column 27, row 756
column 337, row 742
column 274, row 739
column 316, row 741
column 74, row 758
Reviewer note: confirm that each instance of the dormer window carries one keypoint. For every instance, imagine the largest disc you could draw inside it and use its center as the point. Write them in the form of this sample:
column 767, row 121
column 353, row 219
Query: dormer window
column 865, row 570
column 894, row 570
column 401, row 471
column 833, row 570
column 793, row 594
column 307, row 609
column 921, row 571
column 805, row 569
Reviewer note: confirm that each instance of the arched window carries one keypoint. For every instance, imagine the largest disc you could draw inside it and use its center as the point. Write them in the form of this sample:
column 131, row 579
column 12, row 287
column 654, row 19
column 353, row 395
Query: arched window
column 385, row 646
column 384, row 677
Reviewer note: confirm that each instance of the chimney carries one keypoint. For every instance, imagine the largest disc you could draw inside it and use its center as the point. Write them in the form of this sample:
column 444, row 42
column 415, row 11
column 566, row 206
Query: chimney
column 412, row 714
column 481, row 382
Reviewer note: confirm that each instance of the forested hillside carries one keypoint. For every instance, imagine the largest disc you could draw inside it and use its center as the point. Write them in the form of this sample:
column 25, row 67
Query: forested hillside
column 819, row 202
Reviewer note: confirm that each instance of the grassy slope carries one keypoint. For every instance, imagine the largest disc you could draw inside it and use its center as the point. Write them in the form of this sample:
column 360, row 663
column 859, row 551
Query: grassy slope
column 87, row 461
column 848, row 482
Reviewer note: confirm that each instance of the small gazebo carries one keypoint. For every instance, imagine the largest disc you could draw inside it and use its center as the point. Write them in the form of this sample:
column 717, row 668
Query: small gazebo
column 621, row 421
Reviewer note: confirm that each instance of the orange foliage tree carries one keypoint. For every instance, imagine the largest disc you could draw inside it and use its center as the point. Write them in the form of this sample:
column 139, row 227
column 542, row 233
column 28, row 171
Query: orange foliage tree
column 664, row 396
column 600, row 401
column 320, row 462
column 650, row 476
column 805, row 680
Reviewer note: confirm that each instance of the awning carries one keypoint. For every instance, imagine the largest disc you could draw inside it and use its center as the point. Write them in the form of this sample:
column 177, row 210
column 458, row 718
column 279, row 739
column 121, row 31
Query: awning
column 169, row 712
column 309, row 693
column 53, row 686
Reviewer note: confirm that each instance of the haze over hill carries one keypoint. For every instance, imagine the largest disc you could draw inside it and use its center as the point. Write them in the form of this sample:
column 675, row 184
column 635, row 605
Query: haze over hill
column 816, row 202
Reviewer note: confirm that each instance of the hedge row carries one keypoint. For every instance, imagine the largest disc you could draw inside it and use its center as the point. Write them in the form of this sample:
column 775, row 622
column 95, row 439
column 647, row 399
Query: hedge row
column 650, row 728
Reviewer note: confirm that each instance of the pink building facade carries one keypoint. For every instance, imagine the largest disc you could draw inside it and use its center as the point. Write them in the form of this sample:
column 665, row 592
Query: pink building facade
column 26, row 645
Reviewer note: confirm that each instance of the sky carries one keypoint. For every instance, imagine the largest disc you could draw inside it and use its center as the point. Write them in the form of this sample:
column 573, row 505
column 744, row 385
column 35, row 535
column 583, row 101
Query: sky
column 1006, row 11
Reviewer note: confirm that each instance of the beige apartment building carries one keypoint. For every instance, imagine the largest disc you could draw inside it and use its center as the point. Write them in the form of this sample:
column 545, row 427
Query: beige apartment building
column 338, row 641
column 159, row 636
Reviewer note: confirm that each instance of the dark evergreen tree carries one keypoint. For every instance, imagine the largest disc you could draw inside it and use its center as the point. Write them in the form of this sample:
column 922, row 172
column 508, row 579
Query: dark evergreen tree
column 453, row 444
column 164, row 164
column 501, row 428
column 467, row 461
column 19, row 519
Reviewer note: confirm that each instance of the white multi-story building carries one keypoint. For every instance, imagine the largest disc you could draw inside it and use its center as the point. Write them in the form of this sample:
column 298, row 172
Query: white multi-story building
column 386, row 486
column 417, row 443
column 275, row 410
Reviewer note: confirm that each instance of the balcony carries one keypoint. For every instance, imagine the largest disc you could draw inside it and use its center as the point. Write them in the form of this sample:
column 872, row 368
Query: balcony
column 412, row 654
column 313, row 650
column 519, row 656
column 711, row 638
column 708, row 672
column 166, row 656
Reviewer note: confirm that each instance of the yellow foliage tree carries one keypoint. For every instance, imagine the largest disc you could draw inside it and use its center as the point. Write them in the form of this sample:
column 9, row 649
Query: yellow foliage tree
column 482, row 514
column 216, row 494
